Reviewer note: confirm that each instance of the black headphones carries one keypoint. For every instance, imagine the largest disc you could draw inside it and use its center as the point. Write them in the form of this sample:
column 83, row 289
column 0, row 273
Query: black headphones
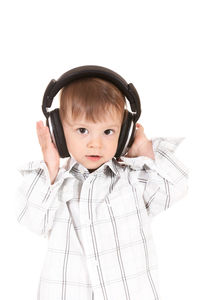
column 53, row 121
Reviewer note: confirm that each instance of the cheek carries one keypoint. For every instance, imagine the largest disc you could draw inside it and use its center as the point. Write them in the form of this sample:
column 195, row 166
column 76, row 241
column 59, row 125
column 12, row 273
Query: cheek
column 112, row 147
column 74, row 143
column 66, row 138
column 69, row 140
column 116, row 144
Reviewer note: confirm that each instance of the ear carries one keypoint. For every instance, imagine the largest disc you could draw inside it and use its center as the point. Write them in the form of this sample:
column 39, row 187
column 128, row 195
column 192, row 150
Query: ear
column 126, row 134
column 57, row 132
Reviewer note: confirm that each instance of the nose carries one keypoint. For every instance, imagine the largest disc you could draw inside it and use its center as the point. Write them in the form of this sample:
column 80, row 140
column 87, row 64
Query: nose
column 94, row 142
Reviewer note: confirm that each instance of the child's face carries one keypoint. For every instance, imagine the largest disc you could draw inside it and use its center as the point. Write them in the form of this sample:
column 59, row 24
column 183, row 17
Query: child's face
column 92, row 144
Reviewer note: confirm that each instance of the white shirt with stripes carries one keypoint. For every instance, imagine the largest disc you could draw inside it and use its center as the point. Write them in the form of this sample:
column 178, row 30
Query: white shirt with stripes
column 98, row 225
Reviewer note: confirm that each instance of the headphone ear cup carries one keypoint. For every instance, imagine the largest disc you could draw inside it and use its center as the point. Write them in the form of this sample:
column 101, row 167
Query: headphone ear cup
column 126, row 136
column 57, row 133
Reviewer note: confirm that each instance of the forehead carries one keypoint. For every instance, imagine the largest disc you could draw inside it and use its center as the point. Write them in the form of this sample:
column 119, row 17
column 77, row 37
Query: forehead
column 113, row 118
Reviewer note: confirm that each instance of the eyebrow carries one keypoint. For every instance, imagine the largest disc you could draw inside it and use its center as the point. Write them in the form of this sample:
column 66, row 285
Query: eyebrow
column 85, row 125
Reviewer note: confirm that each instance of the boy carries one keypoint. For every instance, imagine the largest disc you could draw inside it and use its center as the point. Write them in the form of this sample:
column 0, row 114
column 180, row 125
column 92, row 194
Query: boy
column 96, row 211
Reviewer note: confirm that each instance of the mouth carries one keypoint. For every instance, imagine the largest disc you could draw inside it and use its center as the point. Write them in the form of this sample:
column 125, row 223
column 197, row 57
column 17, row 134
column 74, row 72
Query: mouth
column 93, row 157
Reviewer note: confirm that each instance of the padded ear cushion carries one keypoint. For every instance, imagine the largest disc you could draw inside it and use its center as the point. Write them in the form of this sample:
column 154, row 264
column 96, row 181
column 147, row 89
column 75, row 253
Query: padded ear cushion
column 125, row 137
column 58, row 133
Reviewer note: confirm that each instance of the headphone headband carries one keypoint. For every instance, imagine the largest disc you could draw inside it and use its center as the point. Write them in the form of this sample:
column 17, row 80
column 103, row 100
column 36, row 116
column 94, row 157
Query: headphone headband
column 128, row 90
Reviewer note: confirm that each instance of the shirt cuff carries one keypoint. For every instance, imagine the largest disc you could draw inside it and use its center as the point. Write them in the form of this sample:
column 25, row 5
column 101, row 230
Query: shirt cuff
column 168, row 143
column 36, row 165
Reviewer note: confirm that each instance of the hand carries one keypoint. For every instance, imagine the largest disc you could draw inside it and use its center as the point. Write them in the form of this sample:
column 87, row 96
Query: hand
column 141, row 145
column 49, row 150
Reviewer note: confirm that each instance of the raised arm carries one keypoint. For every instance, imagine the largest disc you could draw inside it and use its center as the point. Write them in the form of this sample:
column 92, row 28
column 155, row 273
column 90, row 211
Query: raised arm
column 37, row 198
column 162, row 176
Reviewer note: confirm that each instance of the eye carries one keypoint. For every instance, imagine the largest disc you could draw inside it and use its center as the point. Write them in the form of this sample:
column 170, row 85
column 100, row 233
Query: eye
column 82, row 130
column 109, row 131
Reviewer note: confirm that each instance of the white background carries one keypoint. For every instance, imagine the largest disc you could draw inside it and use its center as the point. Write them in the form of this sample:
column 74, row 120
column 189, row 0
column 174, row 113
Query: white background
column 155, row 45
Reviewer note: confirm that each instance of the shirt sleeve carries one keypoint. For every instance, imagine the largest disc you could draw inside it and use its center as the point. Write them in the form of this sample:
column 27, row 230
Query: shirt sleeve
column 165, row 179
column 36, row 199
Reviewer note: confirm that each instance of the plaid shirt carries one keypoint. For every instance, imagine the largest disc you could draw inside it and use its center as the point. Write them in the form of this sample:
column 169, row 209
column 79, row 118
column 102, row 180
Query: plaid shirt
column 98, row 224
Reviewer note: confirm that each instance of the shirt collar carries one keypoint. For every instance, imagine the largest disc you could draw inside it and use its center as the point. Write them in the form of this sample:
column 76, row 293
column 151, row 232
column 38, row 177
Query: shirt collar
column 72, row 164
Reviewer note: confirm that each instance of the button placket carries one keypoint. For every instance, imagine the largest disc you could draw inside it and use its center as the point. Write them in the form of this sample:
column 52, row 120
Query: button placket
column 84, row 214
column 88, row 243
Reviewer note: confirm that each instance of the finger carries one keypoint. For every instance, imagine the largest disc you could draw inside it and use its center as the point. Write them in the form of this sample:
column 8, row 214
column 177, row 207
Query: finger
column 39, row 126
column 43, row 134
column 138, row 125
column 139, row 128
column 40, row 129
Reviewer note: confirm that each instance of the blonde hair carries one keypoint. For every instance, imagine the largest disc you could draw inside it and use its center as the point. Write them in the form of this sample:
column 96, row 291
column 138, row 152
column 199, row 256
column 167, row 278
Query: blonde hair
column 92, row 98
